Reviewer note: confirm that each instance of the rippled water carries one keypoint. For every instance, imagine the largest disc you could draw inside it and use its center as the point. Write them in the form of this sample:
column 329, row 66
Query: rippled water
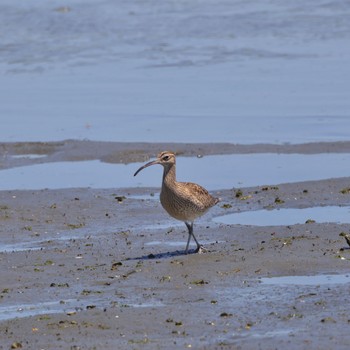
column 186, row 71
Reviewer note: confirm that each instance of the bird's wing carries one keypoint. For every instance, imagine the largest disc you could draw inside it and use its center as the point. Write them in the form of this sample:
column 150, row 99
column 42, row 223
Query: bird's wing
column 197, row 194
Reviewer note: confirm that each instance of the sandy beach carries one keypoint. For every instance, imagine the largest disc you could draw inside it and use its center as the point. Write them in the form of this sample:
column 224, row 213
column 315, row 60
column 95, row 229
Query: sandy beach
column 85, row 268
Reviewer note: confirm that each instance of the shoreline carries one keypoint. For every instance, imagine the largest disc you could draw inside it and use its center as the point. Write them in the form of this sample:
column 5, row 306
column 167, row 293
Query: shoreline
column 16, row 154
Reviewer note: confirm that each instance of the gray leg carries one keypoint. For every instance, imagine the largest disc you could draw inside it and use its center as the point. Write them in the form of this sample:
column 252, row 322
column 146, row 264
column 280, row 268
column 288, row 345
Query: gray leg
column 190, row 234
column 198, row 245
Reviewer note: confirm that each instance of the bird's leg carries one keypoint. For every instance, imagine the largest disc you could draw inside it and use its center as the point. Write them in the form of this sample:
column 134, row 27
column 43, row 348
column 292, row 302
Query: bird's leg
column 190, row 233
column 200, row 248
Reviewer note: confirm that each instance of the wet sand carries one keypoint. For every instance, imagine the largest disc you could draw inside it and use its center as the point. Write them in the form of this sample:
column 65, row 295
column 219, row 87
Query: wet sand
column 88, row 268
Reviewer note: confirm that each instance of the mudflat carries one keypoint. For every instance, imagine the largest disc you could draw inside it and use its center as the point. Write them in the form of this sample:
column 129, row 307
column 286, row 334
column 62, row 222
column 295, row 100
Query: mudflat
column 86, row 268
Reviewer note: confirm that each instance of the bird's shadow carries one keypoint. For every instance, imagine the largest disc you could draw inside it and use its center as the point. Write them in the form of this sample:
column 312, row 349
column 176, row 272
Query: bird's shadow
column 166, row 255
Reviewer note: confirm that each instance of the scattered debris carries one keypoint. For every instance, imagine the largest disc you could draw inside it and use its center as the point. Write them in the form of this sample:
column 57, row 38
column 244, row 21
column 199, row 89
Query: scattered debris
column 199, row 282
column 120, row 198
column 279, row 200
column 238, row 193
column 328, row 320
column 268, row 188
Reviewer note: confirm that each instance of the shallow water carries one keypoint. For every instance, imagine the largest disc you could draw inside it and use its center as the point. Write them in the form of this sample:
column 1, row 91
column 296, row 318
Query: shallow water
column 212, row 172
column 145, row 197
column 62, row 306
column 287, row 216
column 29, row 156
column 36, row 244
column 18, row 247
column 244, row 72
column 8, row 312
column 180, row 244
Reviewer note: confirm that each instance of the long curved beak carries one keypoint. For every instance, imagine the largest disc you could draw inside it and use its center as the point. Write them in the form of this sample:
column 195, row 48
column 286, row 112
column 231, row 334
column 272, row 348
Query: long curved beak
column 147, row 165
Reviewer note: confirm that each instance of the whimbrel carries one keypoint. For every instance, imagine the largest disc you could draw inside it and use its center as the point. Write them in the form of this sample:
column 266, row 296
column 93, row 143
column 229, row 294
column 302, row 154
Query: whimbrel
column 184, row 201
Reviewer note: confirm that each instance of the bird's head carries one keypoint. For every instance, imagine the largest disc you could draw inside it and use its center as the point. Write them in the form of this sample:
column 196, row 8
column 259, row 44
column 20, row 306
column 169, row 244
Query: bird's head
column 166, row 158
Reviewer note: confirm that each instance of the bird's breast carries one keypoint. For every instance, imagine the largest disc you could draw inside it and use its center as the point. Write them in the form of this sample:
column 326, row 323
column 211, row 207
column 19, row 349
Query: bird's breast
column 179, row 204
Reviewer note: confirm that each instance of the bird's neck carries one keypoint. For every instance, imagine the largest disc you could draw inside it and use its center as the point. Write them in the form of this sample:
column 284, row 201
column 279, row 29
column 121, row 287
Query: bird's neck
column 169, row 176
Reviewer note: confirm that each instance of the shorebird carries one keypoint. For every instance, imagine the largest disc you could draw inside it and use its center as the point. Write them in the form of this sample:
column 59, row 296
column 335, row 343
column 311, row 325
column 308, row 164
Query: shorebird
column 184, row 201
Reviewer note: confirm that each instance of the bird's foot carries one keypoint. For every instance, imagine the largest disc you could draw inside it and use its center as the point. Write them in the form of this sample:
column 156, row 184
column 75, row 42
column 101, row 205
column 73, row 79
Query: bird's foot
column 200, row 250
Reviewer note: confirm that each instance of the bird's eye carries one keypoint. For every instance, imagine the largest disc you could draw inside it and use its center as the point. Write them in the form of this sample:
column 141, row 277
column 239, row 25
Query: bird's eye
column 166, row 158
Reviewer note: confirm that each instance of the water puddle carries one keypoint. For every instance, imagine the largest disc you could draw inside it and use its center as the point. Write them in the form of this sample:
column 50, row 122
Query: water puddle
column 285, row 217
column 307, row 280
column 164, row 226
column 29, row 156
column 37, row 244
column 149, row 304
column 18, row 247
column 63, row 306
column 26, row 310
column 166, row 243
column 271, row 334
column 146, row 197
column 213, row 172
column 49, row 307
column 180, row 244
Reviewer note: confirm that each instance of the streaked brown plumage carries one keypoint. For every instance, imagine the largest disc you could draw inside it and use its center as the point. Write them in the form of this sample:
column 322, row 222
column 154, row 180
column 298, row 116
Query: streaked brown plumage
column 184, row 201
